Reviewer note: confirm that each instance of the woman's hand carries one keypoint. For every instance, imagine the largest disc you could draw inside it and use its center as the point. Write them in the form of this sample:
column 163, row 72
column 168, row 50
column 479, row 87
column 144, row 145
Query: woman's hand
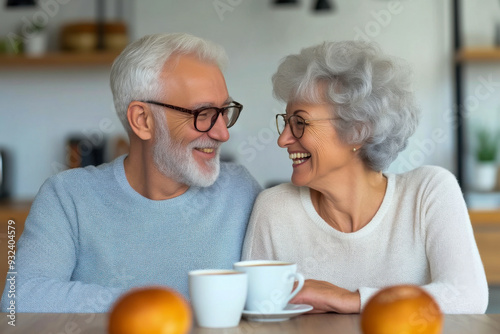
column 326, row 297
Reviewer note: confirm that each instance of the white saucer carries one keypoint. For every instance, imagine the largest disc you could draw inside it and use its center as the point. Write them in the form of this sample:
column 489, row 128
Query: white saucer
column 291, row 310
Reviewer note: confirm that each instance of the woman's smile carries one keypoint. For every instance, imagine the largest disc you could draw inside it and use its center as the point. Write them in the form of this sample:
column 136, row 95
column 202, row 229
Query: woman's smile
column 299, row 158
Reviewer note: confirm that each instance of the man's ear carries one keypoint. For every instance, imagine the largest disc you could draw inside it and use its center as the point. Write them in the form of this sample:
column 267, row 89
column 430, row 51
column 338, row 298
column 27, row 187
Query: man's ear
column 140, row 119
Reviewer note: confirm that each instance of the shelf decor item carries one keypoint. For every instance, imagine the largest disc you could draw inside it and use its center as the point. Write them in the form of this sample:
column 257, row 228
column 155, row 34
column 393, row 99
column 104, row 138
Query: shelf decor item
column 286, row 2
column 497, row 34
column 323, row 6
column 20, row 3
column 84, row 37
column 486, row 156
column 99, row 35
column 35, row 41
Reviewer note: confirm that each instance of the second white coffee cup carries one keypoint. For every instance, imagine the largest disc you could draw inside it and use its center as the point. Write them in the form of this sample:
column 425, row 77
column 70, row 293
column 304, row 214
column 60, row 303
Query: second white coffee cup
column 270, row 284
column 217, row 297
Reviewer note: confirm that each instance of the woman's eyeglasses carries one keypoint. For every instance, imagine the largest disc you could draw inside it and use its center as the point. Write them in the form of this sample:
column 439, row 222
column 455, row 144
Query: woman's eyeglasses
column 296, row 122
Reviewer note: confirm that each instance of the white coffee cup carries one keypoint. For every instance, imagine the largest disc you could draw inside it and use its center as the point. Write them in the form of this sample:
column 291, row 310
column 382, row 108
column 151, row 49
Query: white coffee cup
column 217, row 297
column 270, row 284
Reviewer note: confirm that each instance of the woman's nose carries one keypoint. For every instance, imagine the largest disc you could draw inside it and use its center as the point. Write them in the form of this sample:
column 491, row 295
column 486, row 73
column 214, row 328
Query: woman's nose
column 286, row 137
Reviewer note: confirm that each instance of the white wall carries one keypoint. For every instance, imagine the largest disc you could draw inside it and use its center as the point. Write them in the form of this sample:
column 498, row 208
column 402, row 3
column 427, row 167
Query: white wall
column 41, row 107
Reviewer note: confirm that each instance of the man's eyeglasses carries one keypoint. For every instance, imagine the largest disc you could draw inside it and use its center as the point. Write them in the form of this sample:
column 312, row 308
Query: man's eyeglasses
column 205, row 118
column 296, row 122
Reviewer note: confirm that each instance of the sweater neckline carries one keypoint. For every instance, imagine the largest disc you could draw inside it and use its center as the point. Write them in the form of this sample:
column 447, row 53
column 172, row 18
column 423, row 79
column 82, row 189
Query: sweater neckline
column 121, row 178
column 305, row 196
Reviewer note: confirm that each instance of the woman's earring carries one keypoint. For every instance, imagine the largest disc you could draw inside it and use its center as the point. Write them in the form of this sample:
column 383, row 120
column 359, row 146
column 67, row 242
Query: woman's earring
column 354, row 149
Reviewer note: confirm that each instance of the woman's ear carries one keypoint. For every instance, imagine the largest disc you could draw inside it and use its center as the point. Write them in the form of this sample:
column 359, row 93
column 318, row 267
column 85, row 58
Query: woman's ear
column 140, row 119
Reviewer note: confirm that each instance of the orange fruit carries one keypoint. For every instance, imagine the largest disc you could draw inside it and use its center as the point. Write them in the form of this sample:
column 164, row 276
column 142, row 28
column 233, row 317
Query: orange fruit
column 150, row 310
column 400, row 309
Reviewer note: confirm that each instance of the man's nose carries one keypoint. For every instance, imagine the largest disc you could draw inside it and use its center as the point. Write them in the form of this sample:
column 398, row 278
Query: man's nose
column 219, row 130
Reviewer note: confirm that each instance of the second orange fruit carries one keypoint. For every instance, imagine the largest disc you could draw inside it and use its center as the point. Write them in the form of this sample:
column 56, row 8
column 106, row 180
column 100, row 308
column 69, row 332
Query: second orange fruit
column 399, row 309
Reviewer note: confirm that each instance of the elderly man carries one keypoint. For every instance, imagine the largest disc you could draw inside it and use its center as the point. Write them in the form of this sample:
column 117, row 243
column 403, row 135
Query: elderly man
column 149, row 217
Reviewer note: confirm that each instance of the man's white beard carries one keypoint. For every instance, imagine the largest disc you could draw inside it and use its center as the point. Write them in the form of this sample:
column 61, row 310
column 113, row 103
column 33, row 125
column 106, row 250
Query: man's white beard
column 177, row 162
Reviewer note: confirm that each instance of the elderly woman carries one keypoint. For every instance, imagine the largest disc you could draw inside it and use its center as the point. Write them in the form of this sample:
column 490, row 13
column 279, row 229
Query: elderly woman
column 351, row 227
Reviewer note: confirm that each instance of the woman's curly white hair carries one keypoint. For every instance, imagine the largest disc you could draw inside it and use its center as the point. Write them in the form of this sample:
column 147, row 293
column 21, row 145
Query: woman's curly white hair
column 369, row 92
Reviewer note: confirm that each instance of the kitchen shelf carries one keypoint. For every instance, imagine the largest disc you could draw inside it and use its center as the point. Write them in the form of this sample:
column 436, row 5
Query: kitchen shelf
column 478, row 54
column 485, row 217
column 486, row 226
column 16, row 211
column 59, row 59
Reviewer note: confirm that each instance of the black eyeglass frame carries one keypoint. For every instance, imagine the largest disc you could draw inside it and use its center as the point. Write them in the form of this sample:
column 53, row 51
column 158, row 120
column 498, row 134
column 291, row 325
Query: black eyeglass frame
column 306, row 122
column 195, row 113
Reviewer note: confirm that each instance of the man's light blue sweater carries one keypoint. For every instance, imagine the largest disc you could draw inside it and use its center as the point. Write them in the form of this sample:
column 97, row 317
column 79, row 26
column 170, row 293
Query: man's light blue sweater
column 89, row 237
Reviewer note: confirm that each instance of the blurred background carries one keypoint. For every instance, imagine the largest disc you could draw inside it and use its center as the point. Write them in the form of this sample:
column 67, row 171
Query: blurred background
column 56, row 109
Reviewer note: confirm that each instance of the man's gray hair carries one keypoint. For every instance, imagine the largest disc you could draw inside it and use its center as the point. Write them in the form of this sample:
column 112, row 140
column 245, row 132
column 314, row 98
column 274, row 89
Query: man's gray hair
column 135, row 72
column 369, row 91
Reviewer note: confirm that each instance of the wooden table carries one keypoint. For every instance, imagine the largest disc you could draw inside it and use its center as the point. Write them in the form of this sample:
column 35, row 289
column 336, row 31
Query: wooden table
column 50, row 323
